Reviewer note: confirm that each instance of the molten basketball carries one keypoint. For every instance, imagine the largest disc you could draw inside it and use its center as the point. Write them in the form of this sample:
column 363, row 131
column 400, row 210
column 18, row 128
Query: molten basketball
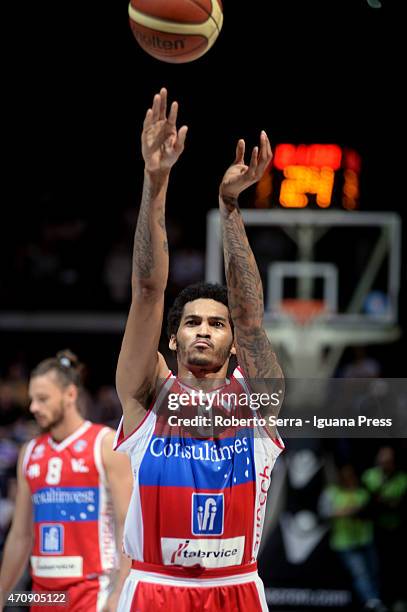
column 176, row 31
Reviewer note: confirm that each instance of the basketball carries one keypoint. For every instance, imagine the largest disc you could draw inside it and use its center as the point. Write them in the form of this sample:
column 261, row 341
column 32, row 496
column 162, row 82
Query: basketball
column 176, row 31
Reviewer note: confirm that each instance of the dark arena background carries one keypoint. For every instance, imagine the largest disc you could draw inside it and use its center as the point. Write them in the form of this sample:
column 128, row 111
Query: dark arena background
column 324, row 79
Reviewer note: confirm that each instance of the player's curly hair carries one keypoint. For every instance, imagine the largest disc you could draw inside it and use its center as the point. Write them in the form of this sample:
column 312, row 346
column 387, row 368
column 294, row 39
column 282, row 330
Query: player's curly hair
column 209, row 291
column 67, row 368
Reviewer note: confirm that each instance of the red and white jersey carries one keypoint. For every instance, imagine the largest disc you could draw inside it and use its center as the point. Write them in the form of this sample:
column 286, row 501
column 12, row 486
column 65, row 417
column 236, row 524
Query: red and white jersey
column 197, row 502
column 74, row 533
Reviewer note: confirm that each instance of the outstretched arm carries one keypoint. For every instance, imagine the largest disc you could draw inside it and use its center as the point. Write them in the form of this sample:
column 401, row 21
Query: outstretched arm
column 245, row 292
column 139, row 365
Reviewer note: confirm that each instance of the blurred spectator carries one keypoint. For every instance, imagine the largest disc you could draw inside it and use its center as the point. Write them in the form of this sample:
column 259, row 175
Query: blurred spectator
column 24, row 429
column 387, row 484
column 186, row 267
column 7, row 504
column 9, row 407
column 43, row 257
column 106, row 407
column 346, row 505
column 9, row 450
column 8, row 455
column 359, row 398
column 13, row 392
column 117, row 273
column 53, row 264
column 362, row 365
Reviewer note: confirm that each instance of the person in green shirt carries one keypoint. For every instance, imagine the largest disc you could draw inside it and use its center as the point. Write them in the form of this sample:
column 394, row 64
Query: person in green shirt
column 387, row 486
column 346, row 504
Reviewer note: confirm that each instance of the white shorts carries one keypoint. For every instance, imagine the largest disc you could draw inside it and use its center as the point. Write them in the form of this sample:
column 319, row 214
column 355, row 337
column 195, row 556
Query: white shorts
column 149, row 591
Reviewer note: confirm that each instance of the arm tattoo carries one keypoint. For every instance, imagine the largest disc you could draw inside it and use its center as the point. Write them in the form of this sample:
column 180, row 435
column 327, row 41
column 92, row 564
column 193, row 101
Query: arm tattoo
column 143, row 256
column 245, row 296
column 150, row 252
column 256, row 354
column 161, row 223
column 245, row 289
column 259, row 361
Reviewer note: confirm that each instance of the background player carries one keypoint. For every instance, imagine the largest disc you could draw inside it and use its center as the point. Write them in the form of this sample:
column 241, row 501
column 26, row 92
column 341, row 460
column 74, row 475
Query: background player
column 73, row 494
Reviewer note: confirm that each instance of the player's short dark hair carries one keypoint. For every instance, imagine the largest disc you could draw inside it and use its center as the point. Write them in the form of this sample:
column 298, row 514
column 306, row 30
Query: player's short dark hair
column 67, row 367
column 202, row 290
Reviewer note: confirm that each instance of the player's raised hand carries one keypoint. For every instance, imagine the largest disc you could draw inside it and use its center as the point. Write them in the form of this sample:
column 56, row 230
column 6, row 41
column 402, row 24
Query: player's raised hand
column 239, row 176
column 161, row 142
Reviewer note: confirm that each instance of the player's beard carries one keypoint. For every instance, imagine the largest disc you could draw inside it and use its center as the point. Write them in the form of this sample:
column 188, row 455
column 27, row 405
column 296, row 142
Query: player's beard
column 56, row 419
column 198, row 359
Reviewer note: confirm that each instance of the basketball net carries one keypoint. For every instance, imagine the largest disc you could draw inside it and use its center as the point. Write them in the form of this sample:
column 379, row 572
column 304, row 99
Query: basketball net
column 301, row 311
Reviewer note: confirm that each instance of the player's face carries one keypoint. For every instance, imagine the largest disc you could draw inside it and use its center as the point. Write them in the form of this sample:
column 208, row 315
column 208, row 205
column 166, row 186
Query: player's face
column 204, row 338
column 47, row 401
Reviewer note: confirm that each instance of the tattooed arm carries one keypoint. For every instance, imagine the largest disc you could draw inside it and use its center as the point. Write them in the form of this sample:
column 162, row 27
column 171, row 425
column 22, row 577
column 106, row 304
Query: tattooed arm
column 140, row 365
column 245, row 292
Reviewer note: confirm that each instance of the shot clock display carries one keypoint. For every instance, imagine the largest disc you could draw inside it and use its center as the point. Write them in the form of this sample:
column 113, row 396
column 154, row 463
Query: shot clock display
column 313, row 175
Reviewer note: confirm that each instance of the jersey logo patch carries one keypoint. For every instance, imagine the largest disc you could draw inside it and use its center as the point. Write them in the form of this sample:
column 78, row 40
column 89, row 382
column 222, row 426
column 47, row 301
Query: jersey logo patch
column 205, row 552
column 38, row 452
column 65, row 504
column 79, row 465
column 80, row 446
column 52, row 539
column 207, row 514
column 34, row 470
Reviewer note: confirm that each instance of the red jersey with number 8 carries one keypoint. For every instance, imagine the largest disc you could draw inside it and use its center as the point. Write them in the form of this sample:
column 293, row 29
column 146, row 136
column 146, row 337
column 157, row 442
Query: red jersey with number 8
column 74, row 536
